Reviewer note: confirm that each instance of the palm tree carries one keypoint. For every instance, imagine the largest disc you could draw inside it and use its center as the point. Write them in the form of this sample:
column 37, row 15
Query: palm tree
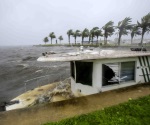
column 56, row 41
column 95, row 32
column 98, row 33
column 144, row 25
column 89, row 36
column 76, row 34
column 69, row 33
column 92, row 35
column 123, row 27
column 52, row 36
column 85, row 33
column 108, row 30
column 45, row 40
column 135, row 31
column 60, row 38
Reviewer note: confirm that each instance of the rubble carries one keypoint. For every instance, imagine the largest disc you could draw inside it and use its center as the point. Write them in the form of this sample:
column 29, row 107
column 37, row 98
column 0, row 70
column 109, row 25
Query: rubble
column 44, row 94
column 62, row 90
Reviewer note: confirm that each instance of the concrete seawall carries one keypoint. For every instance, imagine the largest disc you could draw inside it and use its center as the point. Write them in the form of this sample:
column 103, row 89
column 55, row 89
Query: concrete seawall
column 64, row 109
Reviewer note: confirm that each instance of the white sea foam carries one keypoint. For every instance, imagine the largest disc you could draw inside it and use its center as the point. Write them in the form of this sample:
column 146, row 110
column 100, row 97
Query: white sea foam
column 39, row 71
column 23, row 65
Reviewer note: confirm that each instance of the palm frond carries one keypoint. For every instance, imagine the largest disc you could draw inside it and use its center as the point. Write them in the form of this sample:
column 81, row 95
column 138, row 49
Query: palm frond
column 70, row 32
column 109, row 28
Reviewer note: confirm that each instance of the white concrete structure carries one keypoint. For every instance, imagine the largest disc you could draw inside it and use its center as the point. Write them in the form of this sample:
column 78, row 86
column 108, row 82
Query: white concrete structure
column 95, row 72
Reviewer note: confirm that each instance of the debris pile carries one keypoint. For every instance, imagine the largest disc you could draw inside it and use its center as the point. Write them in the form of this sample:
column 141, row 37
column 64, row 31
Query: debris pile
column 44, row 94
column 62, row 91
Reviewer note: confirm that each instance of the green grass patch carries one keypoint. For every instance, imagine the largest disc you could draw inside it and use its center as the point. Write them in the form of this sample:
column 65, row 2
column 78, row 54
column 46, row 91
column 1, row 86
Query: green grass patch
column 133, row 112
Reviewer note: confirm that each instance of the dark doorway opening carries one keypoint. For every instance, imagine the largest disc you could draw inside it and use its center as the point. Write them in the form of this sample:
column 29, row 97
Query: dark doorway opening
column 84, row 71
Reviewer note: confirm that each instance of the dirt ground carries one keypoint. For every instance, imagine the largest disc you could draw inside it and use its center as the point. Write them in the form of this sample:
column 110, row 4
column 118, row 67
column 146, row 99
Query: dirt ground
column 64, row 109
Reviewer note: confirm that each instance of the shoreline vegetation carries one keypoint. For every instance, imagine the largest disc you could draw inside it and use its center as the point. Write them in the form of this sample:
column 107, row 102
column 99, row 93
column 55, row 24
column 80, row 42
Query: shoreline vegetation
column 133, row 112
column 91, row 45
column 124, row 27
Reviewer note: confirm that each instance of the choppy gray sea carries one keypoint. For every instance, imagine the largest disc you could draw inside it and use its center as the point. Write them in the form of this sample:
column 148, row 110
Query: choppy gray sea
column 20, row 71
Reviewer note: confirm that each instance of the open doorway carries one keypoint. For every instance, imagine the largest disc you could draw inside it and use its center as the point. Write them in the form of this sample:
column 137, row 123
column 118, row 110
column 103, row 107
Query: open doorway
column 84, row 71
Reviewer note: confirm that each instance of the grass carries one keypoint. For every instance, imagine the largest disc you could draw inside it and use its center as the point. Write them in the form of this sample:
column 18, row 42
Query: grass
column 133, row 112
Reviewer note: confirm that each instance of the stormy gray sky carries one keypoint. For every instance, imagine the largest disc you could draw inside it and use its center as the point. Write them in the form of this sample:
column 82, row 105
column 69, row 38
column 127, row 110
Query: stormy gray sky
column 27, row 22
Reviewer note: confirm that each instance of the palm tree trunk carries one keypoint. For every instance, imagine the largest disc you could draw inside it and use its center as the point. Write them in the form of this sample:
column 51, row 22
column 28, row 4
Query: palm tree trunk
column 69, row 39
column 89, row 39
column 142, row 38
column 56, row 41
column 82, row 40
column 51, row 40
column 106, row 41
column 131, row 40
column 92, row 40
column 75, row 40
column 119, row 39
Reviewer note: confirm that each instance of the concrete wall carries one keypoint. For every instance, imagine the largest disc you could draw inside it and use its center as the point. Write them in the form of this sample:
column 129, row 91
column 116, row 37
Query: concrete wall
column 78, row 88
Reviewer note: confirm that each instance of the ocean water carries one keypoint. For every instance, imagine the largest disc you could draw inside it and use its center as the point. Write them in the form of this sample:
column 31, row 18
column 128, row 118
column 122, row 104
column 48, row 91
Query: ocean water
column 20, row 71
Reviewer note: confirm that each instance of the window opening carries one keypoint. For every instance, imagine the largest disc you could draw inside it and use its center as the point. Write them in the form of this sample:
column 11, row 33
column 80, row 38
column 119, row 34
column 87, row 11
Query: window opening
column 115, row 73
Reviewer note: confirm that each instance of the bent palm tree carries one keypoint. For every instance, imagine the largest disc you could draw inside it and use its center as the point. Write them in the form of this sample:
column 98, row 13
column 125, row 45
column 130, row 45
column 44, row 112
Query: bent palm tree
column 135, row 31
column 92, row 35
column 144, row 25
column 108, row 30
column 45, row 40
column 76, row 34
column 89, row 36
column 85, row 33
column 52, row 36
column 123, row 27
column 60, row 38
column 69, row 33
column 95, row 32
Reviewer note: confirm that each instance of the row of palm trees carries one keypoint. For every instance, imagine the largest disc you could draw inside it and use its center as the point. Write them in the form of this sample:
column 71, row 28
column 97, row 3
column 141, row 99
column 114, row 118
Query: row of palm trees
column 52, row 36
column 85, row 33
column 124, row 27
